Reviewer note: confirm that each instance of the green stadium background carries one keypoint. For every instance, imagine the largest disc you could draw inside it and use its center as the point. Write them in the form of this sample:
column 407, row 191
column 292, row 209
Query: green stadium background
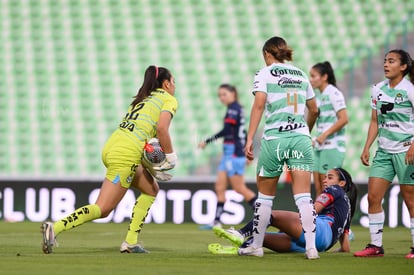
column 68, row 70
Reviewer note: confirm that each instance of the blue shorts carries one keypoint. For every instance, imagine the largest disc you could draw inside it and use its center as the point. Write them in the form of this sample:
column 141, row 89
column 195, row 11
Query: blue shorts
column 231, row 164
column 323, row 236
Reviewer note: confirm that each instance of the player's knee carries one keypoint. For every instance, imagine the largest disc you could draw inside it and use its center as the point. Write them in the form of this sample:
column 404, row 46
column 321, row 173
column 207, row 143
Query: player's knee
column 374, row 199
column 410, row 204
column 241, row 189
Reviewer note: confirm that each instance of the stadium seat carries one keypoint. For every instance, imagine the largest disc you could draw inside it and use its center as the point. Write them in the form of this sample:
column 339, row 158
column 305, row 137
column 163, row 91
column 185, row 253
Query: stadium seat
column 70, row 69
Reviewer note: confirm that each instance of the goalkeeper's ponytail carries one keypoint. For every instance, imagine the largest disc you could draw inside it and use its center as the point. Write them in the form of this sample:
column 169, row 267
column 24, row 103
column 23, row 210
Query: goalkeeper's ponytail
column 153, row 79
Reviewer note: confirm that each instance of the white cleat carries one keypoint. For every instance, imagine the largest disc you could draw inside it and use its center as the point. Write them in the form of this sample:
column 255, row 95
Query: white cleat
column 135, row 248
column 312, row 254
column 250, row 251
column 49, row 239
column 230, row 234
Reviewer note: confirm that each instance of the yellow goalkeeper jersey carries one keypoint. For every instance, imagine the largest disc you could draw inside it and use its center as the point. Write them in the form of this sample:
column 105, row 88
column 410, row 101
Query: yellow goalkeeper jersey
column 140, row 122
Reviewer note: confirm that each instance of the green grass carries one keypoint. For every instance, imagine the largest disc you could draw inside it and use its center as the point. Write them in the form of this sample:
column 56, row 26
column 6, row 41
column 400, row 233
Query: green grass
column 180, row 249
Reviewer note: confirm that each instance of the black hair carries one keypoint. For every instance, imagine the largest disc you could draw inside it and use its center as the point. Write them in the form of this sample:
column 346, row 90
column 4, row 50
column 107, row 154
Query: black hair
column 278, row 48
column 230, row 88
column 325, row 68
column 405, row 59
column 350, row 188
column 153, row 78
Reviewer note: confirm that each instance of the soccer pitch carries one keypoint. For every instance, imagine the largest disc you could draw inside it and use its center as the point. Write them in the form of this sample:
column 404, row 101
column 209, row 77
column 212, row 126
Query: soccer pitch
column 180, row 249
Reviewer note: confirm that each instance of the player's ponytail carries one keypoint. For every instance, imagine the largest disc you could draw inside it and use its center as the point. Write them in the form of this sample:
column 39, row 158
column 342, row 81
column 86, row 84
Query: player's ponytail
column 325, row 68
column 153, row 78
column 350, row 188
column 278, row 48
column 406, row 59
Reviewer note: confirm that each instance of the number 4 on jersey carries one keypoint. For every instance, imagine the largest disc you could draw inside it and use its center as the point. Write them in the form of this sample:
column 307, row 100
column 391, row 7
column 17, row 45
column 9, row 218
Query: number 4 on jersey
column 293, row 103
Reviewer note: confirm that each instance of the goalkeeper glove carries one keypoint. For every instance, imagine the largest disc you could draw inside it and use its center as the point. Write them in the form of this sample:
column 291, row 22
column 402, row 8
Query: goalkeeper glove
column 158, row 175
column 163, row 176
column 169, row 162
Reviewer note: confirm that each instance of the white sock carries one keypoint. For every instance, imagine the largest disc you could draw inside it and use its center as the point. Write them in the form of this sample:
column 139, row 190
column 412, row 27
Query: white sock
column 376, row 225
column 412, row 230
column 307, row 217
column 262, row 212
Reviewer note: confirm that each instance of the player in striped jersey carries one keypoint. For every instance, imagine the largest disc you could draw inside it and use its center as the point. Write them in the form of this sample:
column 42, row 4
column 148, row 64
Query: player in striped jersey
column 149, row 115
column 330, row 137
column 284, row 91
column 392, row 120
column 232, row 164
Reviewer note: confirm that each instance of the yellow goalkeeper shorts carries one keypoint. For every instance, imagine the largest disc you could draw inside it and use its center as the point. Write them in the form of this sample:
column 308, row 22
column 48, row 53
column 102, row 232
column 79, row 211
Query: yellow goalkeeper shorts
column 121, row 156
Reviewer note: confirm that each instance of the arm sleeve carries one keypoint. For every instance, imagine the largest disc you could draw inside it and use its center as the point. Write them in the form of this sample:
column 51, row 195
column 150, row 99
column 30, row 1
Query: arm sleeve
column 348, row 224
column 259, row 84
column 170, row 106
column 338, row 101
column 411, row 96
column 230, row 121
column 224, row 132
column 216, row 136
column 309, row 92
column 325, row 199
column 374, row 97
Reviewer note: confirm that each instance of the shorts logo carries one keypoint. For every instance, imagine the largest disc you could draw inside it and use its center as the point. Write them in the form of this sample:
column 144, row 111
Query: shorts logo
column 132, row 174
column 325, row 166
column 412, row 176
column 288, row 154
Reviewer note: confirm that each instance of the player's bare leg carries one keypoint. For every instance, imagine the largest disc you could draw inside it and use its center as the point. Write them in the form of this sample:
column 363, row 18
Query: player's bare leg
column 238, row 184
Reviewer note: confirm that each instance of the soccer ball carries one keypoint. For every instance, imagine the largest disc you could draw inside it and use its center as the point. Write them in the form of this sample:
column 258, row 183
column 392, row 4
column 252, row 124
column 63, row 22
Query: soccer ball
column 153, row 152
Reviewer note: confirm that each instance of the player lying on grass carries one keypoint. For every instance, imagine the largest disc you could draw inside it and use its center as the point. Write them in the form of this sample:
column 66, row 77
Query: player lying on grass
column 335, row 207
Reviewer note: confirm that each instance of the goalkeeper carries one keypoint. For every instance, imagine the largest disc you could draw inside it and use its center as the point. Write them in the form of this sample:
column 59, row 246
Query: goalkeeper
column 148, row 116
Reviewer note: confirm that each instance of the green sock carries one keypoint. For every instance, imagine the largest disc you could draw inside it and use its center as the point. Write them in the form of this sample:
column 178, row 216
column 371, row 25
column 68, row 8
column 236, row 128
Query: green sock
column 80, row 216
column 139, row 213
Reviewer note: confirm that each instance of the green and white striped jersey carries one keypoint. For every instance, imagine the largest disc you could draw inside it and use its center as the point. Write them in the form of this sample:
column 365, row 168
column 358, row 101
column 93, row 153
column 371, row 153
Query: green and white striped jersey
column 395, row 115
column 287, row 89
column 330, row 102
